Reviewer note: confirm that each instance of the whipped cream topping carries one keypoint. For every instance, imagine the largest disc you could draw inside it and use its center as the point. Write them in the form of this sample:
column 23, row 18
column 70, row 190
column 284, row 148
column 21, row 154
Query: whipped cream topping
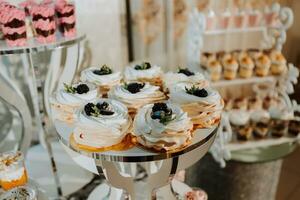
column 177, row 131
column 259, row 115
column 66, row 98
column 88, row 75
column 172, row 78
column 132, row 74
column 179, row 95
column 12, row 174
column 147, row 94
column 280, row 112
column 103, row 130
column 239, row 117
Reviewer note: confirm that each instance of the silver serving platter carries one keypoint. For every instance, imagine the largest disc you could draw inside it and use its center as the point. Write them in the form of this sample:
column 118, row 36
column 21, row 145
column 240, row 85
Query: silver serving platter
column 135, row 154
column 34, row 46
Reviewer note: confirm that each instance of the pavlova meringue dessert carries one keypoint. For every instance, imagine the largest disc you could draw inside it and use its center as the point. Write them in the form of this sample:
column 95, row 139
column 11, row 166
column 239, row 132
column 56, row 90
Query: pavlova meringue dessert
column 103, row 77
column 163, row 127
column 182, row 75
column 136, row 94
column 65, row 101
column 144, row 72
column 102, row 123
column 203, row 104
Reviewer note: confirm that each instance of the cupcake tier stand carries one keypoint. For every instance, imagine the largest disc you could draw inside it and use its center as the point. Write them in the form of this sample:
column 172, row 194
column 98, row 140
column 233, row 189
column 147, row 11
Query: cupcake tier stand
column 41, row 77
column 138, row 171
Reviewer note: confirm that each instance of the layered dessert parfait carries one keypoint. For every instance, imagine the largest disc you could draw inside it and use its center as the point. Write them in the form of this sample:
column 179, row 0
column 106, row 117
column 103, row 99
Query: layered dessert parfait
column 260, row 120
column 278, row 63
column 240, row 122
column 13, row 25
column 66, row 18
column 104, row 77
column 280, row 120
column 67, row 100
column 203, row 104
column 43, row 20
column 230, row 68
column 102, row 125
column 182, row 75
column 136, row 94
column 294, row 127
column 12, row 170
column 144, row 72
column 162, row 127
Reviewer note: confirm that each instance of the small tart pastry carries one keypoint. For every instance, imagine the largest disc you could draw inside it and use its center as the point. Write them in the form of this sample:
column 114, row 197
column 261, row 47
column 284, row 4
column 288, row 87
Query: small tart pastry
column 263, row 65
column 230, row 68
column 203, row 104
column 240, row 103
column 101, row 124
column 215, row 70
column 246, row 67
column 294, row 127
column 260, row 120
column 163, row 127
column 239, row 120
column 255, row 103
column 144, row 72
column 105, row 78
column 67, row 100
column 206, row 58
column 278, row 65
column 136, row 94
column 183, row 75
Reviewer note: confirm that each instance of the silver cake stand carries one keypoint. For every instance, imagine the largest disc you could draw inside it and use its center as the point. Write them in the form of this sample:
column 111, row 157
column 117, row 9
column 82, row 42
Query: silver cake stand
column 137, row 171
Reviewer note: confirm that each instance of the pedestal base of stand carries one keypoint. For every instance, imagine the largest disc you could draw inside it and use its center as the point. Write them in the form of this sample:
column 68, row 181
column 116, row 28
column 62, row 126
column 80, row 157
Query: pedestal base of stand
column 237, row 181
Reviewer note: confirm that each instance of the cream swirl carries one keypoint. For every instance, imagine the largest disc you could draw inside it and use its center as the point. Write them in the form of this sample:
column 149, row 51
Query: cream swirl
column 239, row 117
column 259, row 115
column 75, row 99
column 103, row 130
column 88, row 75
column 179, row 95
column 171, row 78
column 151, row 132
column 131, row 74
column 147, row 94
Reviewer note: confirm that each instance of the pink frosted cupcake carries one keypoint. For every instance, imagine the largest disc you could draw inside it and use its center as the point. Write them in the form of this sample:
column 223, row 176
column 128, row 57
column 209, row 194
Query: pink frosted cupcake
column 43, row 22
column 66, row 18
column 13, row 25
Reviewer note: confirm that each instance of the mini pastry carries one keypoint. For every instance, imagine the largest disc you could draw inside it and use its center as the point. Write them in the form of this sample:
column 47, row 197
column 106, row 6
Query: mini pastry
column 203, row 104
column 254, row 17
column 278, row 65
column 260, row 120
column 43, row 20
column 246, row 67
column 136, row 94
column 144, row 72
column 163, row 127
column 12, row 170
column 240, row 103
column 105, row 78
column 224, row 20
column 294, row 127
column 206, row 58
column 239, row 120
column 280, row 120
column 66, row 18
column 67, row 100
column 255, row 103
column 263, row 65
column 279, row 127
column 182, row 75
column 101, row 124
column 230, row 68
column 215, row 70
column 13, row 25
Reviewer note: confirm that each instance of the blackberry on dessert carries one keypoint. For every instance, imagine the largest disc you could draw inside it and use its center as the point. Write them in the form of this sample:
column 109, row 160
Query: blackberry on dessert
column 186, row 72
column 105, row 70
column 99, row 109
column 80, row 89
column 134, row 87
column 143, row 66
column 196, row 91
column 162, row 112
